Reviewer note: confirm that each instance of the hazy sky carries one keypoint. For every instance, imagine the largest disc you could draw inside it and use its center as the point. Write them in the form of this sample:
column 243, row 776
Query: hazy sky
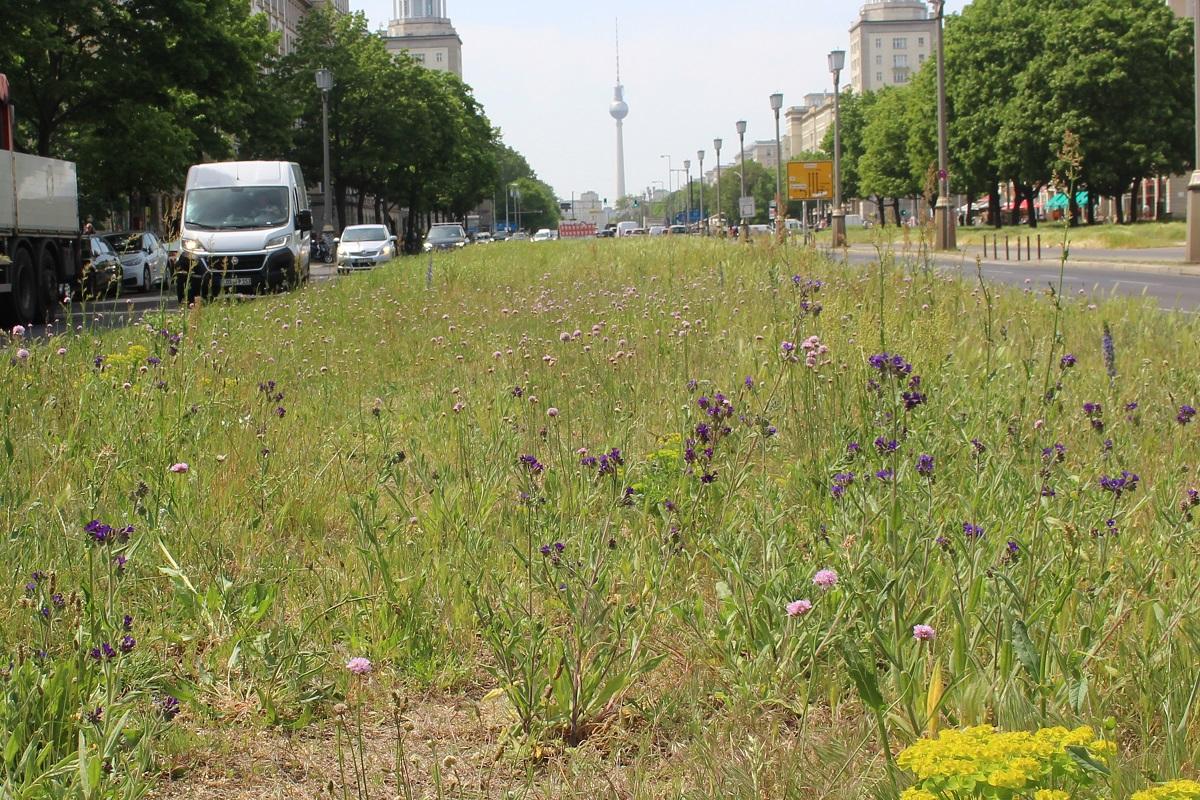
column 544, row 71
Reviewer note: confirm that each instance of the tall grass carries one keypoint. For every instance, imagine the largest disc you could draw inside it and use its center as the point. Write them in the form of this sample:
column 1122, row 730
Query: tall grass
column 414, row 476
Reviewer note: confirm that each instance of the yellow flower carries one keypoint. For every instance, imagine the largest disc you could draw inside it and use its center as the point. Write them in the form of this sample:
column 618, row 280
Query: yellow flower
column 1172, row 790
column 913, row 793
column 1051, row 794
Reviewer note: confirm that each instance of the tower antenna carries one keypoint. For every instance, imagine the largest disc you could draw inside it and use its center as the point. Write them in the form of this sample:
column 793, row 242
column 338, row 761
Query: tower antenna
column 617, row 24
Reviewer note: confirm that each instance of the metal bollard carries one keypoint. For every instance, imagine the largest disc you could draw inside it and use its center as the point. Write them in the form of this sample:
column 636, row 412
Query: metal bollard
column 1006, row 253
column 429, row 273
column 1039, row 247
column 1028, row 254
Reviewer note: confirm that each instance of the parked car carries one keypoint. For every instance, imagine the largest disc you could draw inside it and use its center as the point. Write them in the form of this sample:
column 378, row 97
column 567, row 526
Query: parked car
column 638, row 232
column 483, row 238
column 172, row 252
column 363, row 247
column 543, row 235
column 143, row 257
column 675, row 230
column 658, row 230
column 520, row 236
column 607, row 233
column 445, row 236
column 102, row 272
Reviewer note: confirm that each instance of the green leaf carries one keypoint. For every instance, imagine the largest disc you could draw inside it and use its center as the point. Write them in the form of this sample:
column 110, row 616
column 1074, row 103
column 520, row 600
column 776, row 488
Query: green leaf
column 1084, row 759
column 1026, row 651
column 865, row 680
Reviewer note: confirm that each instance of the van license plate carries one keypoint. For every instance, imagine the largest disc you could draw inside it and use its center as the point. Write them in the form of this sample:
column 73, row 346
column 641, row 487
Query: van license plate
column 236, row 281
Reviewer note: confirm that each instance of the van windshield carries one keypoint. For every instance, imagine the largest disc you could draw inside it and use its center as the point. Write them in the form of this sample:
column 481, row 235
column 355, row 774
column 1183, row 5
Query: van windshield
column 237, row 207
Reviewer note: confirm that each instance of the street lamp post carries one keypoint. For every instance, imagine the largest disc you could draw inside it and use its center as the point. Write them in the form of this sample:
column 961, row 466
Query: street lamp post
column 776, row 104
column 837, row 60
column 743, row 233
column 1193, row 202
column 687, row 175
column 325, row 83
column 669, row 204
column 943, row 213
column 703, row 219
column 720, row 217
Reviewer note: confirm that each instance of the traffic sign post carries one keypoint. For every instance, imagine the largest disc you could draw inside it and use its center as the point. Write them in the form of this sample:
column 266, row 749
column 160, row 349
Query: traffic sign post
column 810, row 180
column 771, row 211
column 746, row 207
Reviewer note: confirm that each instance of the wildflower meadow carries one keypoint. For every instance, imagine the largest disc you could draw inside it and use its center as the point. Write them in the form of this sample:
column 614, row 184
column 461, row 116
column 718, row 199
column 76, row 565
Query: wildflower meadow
column 638, row 519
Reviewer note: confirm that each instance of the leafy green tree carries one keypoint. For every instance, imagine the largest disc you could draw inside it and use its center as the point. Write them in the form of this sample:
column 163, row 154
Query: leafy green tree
column 885, row 168
column 853, row 111
column 538, row 205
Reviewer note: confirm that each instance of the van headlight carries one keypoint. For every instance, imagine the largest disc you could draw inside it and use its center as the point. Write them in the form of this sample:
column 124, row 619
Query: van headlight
column 278, row 241
column 427, row 247
column 192, row 245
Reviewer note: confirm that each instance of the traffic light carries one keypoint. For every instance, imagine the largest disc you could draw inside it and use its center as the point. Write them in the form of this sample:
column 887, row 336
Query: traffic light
column 636, row 202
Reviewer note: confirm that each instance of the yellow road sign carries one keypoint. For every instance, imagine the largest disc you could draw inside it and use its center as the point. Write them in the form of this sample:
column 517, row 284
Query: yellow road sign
column 810, row 180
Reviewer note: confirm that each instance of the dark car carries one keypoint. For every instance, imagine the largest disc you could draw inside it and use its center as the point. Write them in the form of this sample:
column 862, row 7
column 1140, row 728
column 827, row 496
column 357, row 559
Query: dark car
column 446, row 236
column 102, row 271
column 607, row 233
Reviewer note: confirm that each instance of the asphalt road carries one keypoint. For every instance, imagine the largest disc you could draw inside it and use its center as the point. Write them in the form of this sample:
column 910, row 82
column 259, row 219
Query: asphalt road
column 1171, row 285
column 127, row 310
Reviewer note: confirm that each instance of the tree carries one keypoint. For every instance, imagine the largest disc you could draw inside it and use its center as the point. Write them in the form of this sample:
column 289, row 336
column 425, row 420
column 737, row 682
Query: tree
column 539, row 207
column 885, row 168
column 853, row 110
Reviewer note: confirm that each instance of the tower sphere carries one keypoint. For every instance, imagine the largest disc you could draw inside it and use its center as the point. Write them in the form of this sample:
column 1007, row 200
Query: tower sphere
column 619, row 109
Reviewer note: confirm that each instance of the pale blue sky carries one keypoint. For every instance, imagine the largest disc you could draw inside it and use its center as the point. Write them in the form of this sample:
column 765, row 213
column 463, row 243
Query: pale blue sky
column 545, row 69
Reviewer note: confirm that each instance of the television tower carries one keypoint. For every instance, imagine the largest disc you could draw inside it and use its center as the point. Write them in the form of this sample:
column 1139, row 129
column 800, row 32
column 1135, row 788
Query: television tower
column 619, row 109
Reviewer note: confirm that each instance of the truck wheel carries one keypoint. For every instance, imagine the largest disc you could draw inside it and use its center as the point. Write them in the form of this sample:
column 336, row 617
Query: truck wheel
column 47, row 286
column 19, row 306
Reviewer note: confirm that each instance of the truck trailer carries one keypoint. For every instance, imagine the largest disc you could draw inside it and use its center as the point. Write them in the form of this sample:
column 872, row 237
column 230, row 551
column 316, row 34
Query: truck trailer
column 40, row 251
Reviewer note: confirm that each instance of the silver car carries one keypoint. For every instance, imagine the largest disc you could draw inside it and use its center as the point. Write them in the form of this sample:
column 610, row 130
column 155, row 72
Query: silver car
column 364, row 246
column 144, row 259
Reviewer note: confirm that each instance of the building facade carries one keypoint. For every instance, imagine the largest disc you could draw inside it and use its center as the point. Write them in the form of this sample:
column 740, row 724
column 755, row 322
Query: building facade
column 284, row 16
column 889, row 42
column 422, row 29
column 807, row 124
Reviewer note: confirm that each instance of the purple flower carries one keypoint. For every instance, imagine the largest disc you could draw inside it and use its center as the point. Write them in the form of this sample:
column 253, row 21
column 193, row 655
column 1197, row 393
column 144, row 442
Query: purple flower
column 1067, row 361
column 853, row 448
column 95, row 717
column 749, row 382
column 788, row 347
column 825, row 578
column 972, row 531
column 979, row 447
column 127, row 623
column 1047, row 491
column 517, row 391
column 924, row 633
column 359, row 666
column 1185, row 414
column 884, row 475
column 168, row 707
column 532, row 464
column 1054, row 454
column 108, row 651
column 886, row 446
column 1118, row 485
column 890, row 365
column 1013, row 547
column 1110, row 353
column 925, row 465
column 127, row 643
column 798, row 608
column 1093, row 409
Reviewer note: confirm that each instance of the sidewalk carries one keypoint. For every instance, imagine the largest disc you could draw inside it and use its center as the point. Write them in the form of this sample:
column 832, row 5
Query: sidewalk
column 1163, row 260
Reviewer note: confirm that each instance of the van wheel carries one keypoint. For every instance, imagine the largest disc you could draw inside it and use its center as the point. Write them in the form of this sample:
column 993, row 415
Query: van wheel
column 19, row 306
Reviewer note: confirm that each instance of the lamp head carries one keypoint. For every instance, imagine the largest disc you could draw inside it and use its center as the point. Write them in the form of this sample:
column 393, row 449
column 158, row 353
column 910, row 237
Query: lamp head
column 776, row 101
column 837, row 60
column 324, row 79
column 717, row 145
column 741, row 127
column 700, row 155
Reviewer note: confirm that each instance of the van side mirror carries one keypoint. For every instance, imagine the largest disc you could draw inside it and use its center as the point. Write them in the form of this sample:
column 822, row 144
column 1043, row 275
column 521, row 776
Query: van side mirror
column 304, row 220
column 392, row 239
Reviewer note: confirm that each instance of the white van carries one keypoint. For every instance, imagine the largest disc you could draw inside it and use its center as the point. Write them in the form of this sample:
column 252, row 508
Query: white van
column 246, row 225
column 626, row 228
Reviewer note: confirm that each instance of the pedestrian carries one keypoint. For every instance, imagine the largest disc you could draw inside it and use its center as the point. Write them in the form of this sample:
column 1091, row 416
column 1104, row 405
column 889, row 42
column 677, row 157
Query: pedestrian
column 88, row 230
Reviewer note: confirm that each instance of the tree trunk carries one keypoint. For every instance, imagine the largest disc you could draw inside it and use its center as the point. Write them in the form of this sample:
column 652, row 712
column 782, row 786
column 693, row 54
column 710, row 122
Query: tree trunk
column 362, row 202
column 1072, row 208
column 1091, row 207
column 994, row 206
column 1135, row 201
column 969, row 219
column 1014, row 210
column 1119, row 205
column 896, row 211
column 339, row 203
column 881, row 210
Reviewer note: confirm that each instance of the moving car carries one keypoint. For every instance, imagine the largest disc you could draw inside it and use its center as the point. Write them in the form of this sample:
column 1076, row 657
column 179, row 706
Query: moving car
column 483, row 238
column 143, row 257
column 246, row 225
column 606, row 233
column 101, row 272
column 364, row 246
column 543, row 235
column 657, row 230
column 520, row 236
column 445, row 236
column 677, row 229
column 625, row 227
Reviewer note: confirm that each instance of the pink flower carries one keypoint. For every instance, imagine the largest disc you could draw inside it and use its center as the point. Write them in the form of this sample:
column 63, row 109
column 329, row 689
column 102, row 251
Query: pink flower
column 62, row 351
column 924, row 633
column 552, row 411
column 798, row 608
column 18, row 330
column 826, row 579
column 180, row 468
column 22, row 354
column 359, row 665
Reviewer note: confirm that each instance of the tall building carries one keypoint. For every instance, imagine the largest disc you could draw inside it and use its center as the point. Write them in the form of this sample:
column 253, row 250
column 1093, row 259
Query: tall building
column 807, row 123
column 763, row 152
column 889, row 42
column 422, row 29
column 284, row 16
column 619, row 110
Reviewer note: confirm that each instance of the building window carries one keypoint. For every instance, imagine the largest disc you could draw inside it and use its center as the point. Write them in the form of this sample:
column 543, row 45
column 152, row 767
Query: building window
column 900, row 61
column 920, row 41
column 440, row 58
column 921, row 58
column 879, row 77
column 900, row 43
column 878, row 43
column 900, row 76
column 878, row 61
column 419, row 57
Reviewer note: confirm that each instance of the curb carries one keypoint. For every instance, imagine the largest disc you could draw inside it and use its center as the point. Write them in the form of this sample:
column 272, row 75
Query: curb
column 962, row 258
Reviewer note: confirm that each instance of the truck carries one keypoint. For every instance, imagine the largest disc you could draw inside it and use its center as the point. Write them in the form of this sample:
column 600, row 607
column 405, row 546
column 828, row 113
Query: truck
column 40, row 245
